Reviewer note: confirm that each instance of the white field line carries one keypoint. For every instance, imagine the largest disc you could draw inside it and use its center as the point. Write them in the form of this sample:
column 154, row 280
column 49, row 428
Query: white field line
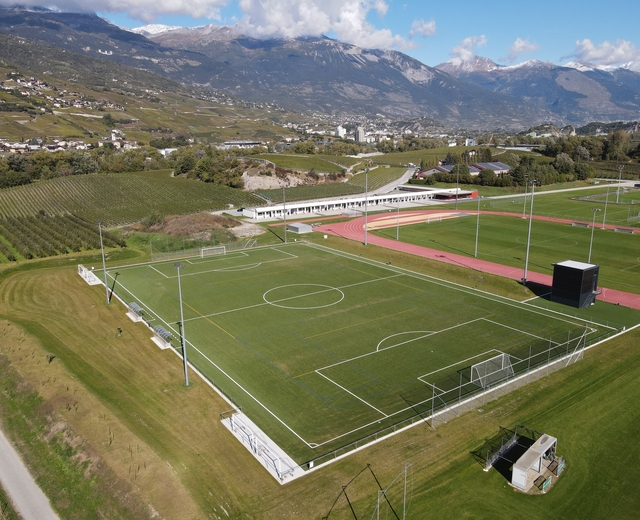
column 535, row 297
column 159, row 272
column 171, row 327
column 463, row 361
column 461, row 288
column 293, row 297
column 425, row 332
column 399, row 271
column 202, row 260
column 522, row 331
column 352, row 394
column 408, row 341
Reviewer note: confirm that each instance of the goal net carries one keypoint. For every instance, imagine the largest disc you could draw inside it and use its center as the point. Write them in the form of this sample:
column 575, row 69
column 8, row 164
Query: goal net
column 212, row 250
column 492, row 370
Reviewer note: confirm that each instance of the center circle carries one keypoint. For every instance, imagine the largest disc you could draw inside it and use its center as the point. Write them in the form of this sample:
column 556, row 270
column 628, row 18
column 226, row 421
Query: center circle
column 303, row 296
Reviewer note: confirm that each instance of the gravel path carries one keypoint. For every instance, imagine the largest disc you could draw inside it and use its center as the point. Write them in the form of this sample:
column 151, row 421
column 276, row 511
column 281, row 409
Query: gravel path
column 27, row 498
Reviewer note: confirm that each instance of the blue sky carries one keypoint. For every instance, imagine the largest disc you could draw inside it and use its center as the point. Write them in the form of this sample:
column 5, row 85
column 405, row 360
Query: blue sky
column 603, row 33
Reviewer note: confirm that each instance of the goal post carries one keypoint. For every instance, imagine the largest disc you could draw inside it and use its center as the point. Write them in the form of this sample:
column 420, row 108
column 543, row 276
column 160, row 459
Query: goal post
column 492, row 370
column 212, row 250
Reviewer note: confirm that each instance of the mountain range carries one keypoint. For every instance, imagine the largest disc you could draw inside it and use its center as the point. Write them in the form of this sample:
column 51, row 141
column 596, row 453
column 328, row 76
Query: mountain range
column 321, row 75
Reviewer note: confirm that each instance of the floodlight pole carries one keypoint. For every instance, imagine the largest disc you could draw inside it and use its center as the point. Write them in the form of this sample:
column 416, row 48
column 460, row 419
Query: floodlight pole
column 457, row 183
column 398, row 220
column 366, row 202
column 526, row 184
column 104, row 265
column 179, row 266
column 526, row 260
column 621, row 167
column 477, row 228
column 606, row 203
column 284, row 213
column 593, row 226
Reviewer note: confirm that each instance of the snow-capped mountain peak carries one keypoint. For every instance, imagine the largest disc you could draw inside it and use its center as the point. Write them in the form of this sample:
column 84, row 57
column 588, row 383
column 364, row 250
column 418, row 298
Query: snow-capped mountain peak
column 154, row 28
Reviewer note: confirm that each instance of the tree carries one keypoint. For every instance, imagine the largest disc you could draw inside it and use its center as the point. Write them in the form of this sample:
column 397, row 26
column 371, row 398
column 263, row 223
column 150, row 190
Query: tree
column 487, row 177
column 452, row 158
column 563, row 163
column 108, row 120
column 581, row 153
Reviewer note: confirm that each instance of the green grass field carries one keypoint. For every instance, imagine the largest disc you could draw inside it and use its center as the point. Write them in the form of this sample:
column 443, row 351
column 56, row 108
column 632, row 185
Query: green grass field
column 321, row 348
column 503, row 239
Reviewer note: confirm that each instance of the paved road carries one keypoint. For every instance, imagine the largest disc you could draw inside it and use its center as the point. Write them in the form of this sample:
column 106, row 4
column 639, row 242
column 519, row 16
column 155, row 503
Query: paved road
column 28, row 499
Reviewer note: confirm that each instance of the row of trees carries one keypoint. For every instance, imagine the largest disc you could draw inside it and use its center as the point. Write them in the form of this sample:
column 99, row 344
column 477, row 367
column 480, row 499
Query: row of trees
column 43, row 236
column 201, row 162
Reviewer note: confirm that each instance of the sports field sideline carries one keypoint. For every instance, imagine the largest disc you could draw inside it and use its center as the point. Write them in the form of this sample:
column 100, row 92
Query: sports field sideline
column 321, row 348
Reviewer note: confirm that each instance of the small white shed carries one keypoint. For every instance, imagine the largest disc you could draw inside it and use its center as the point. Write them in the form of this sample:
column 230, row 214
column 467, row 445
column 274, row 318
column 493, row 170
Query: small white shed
column 530, row 466
column 300, row 228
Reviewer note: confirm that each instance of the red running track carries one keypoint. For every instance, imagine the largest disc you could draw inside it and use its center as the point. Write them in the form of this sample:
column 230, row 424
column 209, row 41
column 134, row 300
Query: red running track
column 354, row 230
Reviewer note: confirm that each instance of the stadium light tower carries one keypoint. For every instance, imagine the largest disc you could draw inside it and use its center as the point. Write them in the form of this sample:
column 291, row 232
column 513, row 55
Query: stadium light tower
column 366, row 202
column 179, row 267
column 621, row 167
column 477, row 228
column 457, row 167
column 284, row 213
column 593, row 226
column 104, row 264
column 606, row 203
column 526, row 260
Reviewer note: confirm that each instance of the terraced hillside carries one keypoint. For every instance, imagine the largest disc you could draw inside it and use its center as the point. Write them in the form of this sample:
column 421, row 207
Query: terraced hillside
column 120, row 198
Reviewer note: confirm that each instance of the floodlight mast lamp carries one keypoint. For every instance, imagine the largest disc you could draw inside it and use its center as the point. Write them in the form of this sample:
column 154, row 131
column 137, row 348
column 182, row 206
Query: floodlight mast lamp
column 284, row 213
column 526, row 259
column 179, row 267
column 104, row 264
column 593, row 226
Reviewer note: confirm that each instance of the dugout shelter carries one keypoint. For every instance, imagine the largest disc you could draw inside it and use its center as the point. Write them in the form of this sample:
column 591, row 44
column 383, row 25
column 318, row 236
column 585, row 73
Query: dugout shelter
column 575, row 283
column 534, row 462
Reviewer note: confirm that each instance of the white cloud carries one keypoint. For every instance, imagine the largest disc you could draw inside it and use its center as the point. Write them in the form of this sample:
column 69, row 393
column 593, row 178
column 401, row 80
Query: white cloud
column 466, row 50
column 422, row 28
column 606, row 53
column 346, row 18
column 519, row 47
column 145, row 10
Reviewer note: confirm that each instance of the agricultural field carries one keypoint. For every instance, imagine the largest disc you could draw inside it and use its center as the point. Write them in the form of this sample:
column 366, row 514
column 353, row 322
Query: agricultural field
column 119, row 198
column 503, row 240
column 378, row 177
column 342, row 160
column 323, row 349
column 320, row 191
column 431, row 155
column 23, row 238
column 303, row 162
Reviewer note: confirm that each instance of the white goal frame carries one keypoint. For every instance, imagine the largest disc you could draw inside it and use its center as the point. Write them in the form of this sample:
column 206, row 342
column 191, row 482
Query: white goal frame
column 492, row 370
column 212, row 250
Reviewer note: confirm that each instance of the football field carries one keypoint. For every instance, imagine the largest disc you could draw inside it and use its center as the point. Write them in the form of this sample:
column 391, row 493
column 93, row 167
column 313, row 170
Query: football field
column 321, row 348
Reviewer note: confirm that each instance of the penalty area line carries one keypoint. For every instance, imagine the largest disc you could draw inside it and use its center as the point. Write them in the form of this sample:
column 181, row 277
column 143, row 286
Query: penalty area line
column 352, row 394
